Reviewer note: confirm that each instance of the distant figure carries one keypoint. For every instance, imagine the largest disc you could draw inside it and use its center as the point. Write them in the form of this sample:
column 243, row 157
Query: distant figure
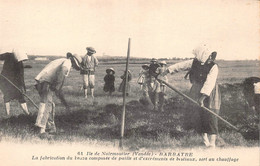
column 122, row 85
column 89, row 64
column 153, row 70
column 157, row 89
column 109, row 81
column 203, row 77
column 161, row 87
column 13, row 70
column 144, row 81
column 50, row 80
column 251, row 90
column 153, row 66
column 144, row 72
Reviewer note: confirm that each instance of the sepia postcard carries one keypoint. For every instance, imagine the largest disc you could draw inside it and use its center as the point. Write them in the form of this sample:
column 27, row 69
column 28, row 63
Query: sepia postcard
column 129, row 82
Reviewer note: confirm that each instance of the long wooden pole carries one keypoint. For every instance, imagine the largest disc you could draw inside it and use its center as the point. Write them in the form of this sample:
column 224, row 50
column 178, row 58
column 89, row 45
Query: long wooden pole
column 193, row 101
column 124, row 96
column 19, row 90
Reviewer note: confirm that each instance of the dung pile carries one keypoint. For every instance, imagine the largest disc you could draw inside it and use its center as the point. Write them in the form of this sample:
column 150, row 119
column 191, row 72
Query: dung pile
column 235, row 110
column 140, row 121
column 178, row 119
column 73, row 120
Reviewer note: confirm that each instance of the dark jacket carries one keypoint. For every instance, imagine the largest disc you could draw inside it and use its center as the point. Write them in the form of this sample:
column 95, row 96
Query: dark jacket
column 109, row 83
column 198, row 73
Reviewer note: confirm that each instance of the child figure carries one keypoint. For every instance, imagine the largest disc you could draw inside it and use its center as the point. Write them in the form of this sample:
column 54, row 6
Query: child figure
column 161, row 87
column 109, row 81
column 122, row 85
column 145, row 82
column 144, row 72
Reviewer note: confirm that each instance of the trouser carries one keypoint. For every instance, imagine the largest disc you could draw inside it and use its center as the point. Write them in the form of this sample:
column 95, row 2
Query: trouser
column 46, row 113
column 146, row 100
column 154, row 96
column 88, row 81
column 161, row 101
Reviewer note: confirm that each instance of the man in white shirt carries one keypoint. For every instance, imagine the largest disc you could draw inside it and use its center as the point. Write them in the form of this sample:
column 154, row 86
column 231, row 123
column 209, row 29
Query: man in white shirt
column 203, row 75
column 50, row 80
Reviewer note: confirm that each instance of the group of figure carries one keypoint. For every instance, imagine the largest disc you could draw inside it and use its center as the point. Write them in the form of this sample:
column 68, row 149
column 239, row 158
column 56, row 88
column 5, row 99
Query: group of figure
column 202, row 73
column 154, row 91
column 51, row 79
column 48, row 82
column 109, row 80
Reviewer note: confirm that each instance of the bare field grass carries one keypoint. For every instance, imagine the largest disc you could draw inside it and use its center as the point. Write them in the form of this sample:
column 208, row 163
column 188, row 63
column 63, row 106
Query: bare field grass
column 99, row 124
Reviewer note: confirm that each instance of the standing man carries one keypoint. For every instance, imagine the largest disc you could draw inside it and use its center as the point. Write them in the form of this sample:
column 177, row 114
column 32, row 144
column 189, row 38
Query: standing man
column 50, row 80
column 13, row 70
column 203, row 75
column 89, row 64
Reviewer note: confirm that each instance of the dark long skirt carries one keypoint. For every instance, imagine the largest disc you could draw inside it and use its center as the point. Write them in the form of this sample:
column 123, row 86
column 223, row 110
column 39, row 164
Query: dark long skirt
column 208, row 122
column 14, row 72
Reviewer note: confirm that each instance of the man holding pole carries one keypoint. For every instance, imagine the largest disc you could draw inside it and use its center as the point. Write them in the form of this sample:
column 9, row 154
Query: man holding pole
column 13, row 75
column 50, row 80
column 203, row 75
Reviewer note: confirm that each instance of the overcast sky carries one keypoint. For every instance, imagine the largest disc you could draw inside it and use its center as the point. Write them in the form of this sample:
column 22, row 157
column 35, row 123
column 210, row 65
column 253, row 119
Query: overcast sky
column 157, row 28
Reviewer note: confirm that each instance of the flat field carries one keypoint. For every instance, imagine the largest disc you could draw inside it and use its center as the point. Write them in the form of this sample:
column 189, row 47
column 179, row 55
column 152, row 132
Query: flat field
column 99, row 124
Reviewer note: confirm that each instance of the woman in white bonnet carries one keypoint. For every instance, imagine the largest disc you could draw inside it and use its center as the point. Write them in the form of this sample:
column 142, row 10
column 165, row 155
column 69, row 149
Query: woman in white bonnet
column 203, row 75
